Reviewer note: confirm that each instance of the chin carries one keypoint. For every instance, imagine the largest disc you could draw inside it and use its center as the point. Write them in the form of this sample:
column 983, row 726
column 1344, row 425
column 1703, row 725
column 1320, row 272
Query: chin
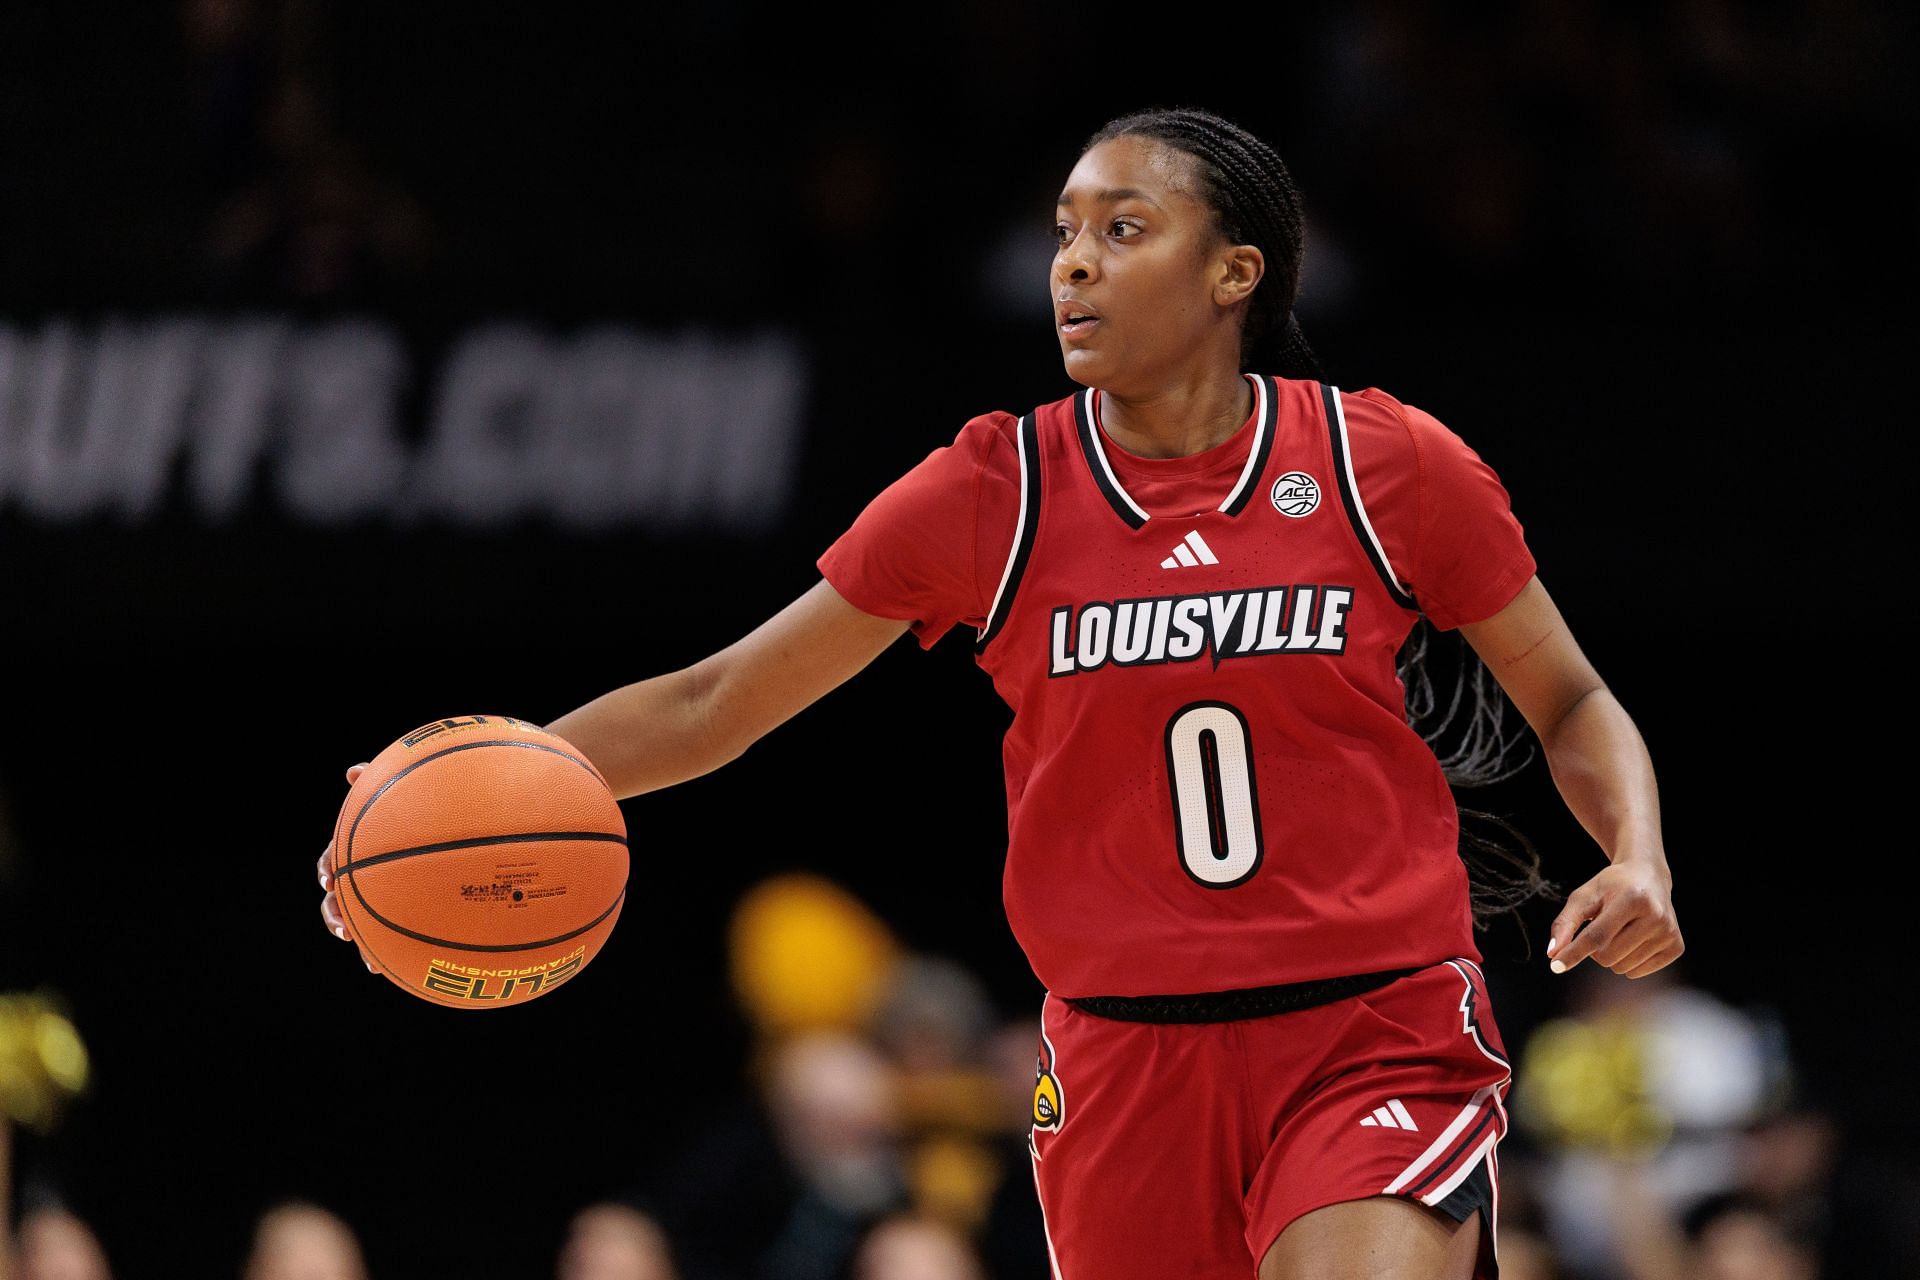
column 1088, row 368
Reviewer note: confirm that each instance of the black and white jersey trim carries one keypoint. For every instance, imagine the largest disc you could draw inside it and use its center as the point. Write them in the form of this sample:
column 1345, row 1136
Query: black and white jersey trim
column 1028, row 436
column 1117, row 498
column 1350, row 498
column 1087, row 423
column 1269, row 411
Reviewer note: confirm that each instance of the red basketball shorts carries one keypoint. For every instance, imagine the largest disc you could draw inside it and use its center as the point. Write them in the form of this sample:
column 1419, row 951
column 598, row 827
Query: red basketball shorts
column 1186, row 1148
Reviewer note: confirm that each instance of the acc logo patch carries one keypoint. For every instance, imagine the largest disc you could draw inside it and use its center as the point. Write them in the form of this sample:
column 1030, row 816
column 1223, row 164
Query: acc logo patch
column 1295, row 494
column 1048, row 1103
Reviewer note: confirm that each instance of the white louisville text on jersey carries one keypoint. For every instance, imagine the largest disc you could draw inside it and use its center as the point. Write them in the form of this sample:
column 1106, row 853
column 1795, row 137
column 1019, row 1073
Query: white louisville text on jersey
column 1301, row 618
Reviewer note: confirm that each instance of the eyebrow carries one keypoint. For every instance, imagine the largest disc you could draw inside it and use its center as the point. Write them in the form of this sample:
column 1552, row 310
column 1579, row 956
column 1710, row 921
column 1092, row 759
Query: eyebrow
column 1109, row 196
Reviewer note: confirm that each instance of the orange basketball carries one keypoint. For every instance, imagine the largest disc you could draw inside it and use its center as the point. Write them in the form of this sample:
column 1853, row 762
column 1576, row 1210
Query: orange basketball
column 480, row 862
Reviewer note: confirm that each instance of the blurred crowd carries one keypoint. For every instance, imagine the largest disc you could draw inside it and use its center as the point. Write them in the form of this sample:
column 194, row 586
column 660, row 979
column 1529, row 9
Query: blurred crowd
column 331, row 153
column 300, row 1240
column 1661, row 1134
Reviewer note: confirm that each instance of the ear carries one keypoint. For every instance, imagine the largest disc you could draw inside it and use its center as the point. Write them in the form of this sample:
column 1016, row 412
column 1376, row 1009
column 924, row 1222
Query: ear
column 1237, row 269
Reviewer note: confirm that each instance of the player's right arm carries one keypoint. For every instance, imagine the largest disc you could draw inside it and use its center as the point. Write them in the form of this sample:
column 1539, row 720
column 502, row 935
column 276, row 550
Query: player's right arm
column 912, row 559
column 657, row 732
column 654, row 733
column 921, row 556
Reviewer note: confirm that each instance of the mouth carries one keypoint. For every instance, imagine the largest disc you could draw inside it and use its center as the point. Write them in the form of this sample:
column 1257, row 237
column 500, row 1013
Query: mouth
column 1076, row 321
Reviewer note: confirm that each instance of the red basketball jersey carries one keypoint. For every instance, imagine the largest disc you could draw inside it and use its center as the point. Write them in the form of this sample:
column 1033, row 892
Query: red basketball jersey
column 1210, row 779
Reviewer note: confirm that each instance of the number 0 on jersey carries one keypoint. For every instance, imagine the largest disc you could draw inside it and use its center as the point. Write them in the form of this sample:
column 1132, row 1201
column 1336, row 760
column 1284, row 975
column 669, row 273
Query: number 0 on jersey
column 1216, row 815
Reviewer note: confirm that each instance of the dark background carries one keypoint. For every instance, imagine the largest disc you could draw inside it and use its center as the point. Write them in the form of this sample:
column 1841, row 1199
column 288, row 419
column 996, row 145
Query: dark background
column 1651, row 261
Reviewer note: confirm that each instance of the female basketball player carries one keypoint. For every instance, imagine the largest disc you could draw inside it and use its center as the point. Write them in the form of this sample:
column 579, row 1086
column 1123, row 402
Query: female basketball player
column 1232, row 862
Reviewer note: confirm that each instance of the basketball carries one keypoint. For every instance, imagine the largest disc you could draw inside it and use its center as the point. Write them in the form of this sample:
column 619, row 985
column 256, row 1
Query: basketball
column 480, row 862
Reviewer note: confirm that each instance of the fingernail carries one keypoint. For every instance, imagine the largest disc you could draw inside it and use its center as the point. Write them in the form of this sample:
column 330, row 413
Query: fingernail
column 370, row 968
column 339, row 933
column 1553, row 945
column 1557, row 967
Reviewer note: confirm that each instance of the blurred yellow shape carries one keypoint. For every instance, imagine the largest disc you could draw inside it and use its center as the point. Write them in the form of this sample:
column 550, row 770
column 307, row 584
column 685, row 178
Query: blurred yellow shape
column 808, row 955
column 1586, row 1086
column 953, row 1179
column 43, row 1061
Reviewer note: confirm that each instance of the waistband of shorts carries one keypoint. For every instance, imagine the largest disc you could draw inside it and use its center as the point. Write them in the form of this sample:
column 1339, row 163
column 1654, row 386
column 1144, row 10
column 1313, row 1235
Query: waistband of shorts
column 1228, row 1006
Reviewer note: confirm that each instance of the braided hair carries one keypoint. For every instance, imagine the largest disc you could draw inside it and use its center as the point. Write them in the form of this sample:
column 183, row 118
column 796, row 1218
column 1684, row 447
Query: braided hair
column 1254, row 201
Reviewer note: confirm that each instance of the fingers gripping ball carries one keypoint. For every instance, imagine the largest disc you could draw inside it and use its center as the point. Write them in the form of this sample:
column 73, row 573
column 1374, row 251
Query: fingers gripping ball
column 480, row 862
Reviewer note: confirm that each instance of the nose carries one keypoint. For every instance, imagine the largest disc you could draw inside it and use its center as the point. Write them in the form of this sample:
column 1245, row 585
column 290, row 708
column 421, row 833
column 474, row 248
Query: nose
column 1075, row 260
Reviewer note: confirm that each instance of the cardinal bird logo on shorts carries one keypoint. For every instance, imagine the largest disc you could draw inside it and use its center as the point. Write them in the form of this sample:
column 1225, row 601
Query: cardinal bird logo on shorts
column 1048, row 1104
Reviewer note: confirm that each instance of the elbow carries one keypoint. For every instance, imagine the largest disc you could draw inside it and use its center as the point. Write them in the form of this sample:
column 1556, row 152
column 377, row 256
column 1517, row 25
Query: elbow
column 716, row 736
column 1568, row 706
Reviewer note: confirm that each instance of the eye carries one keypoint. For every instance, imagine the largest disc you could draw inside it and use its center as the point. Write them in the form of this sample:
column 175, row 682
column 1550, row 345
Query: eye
column 1062, row 233
column 1132, row 226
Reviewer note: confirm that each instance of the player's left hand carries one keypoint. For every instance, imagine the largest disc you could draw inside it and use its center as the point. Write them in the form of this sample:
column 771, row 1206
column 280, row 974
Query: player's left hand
column 330, row 904
column 1628, row 911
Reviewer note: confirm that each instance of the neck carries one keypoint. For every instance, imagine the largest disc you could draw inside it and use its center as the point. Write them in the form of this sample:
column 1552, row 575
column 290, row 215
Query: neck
column 1177, row 421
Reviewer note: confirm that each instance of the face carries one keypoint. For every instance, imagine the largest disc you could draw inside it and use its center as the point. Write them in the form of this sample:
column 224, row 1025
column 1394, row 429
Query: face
column 1139, row 250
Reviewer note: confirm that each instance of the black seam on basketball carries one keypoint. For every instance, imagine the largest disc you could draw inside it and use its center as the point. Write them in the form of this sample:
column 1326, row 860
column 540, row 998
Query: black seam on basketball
column 1256, row 478
column 479, row 842
column 389, row 784
column 357, row 933
column 487, row 946
column 346, row 907
column 354, row 883
column 1347, row 500
column 1441, row 1164
column 465, row 746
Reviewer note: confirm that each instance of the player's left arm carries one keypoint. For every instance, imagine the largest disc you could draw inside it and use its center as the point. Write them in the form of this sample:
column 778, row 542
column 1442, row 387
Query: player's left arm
column 1602, row 769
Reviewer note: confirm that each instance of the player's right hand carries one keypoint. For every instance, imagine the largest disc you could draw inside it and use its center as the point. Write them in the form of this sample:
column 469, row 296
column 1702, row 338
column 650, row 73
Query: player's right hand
column 330, row 912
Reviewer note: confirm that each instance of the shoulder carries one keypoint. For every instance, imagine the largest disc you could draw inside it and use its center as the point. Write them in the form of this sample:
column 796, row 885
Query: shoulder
column 1381, row 428
column 991, row 441
column 1421, row 428
column 978, row 469
column 959, row 465
column 1386, row 420
column 1387, row 433
column 986, row 432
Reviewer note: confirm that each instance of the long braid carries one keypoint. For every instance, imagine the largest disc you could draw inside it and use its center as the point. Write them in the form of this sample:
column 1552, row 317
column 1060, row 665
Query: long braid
column 1255, row 202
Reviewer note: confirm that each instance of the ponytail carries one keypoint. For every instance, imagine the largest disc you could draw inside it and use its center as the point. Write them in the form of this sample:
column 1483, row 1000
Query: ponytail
column 1503, row 865
column 1285, row 353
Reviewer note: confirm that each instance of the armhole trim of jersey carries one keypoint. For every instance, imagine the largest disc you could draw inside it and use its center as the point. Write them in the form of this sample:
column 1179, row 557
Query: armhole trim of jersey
column 1350, row 498
column 1029, row 437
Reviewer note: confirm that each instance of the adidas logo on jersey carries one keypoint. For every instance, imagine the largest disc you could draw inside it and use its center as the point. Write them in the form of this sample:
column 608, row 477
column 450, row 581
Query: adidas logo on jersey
column 1190, row 551
column 1392, row 1116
